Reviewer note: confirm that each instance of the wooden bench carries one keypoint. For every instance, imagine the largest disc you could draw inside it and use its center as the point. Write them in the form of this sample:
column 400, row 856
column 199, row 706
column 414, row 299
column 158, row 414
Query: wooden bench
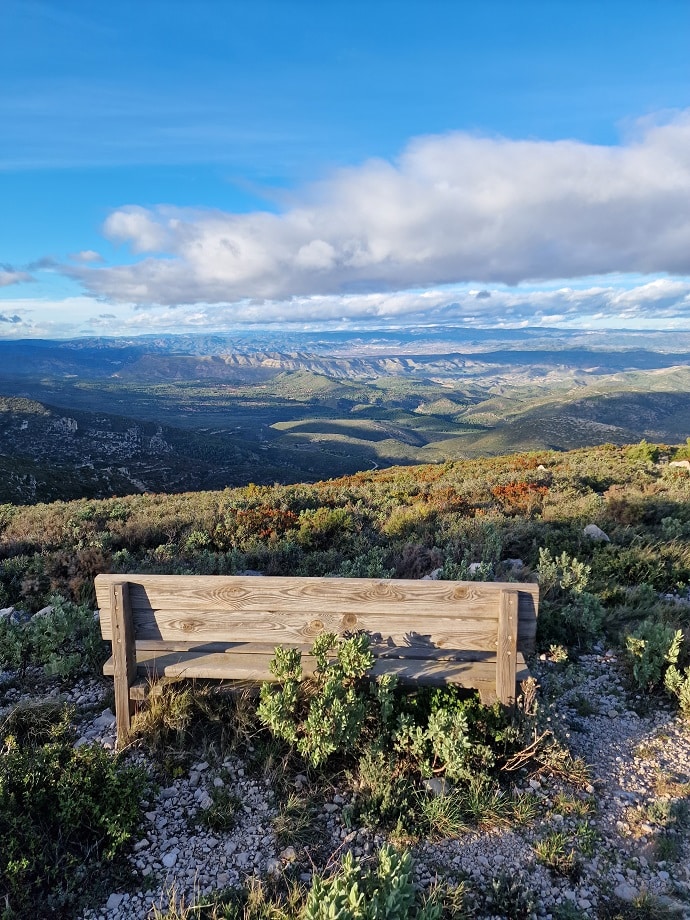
column 472, row 634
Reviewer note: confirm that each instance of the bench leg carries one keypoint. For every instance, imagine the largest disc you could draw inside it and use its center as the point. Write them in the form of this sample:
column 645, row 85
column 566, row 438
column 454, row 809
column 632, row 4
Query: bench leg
column 124, row 658
column 506, row 653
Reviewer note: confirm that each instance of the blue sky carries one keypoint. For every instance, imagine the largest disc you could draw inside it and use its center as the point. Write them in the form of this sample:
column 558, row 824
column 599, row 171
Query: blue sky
column 195, row 166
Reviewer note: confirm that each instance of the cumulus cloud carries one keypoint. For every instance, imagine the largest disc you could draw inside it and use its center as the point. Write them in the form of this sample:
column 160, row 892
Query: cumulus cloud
column 452, row 208
column 4, row 318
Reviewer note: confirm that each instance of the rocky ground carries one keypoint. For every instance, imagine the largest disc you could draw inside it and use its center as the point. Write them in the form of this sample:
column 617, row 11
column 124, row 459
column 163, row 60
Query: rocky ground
column 627, row 835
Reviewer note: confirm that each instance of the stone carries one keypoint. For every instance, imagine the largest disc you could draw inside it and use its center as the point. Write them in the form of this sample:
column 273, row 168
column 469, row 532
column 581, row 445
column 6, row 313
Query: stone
column 289, row 854
column 436, row 786
column 596, row 533
column 515, row 565
column 625, row 891
column 433, row 576
column 169, row 859
column 105, row 720
column 43, row 612
column 114, row 901
column 685, row 464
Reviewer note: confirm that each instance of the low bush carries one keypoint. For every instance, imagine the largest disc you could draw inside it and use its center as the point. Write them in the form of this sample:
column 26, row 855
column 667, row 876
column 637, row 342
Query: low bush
column 650, row 650
column 66, row 814
column 65, row 641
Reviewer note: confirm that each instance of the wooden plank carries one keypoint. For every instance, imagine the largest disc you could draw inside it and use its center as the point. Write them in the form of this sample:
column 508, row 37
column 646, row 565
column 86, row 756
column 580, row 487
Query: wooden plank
column 313, row 597
column 507, row 648
column 243, row 666
column 124, row 657
column 253, row 648
column 223, row 592
column 307, row 606
column 275, row 628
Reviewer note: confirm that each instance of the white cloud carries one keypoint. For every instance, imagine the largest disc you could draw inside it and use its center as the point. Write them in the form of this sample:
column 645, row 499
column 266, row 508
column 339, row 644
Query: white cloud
column 662, row 303
column 453, row 208
column 86, row 256
column 9, row 276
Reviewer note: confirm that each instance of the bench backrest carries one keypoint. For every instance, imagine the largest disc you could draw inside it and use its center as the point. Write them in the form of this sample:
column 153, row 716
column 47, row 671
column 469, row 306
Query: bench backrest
column 293, row 611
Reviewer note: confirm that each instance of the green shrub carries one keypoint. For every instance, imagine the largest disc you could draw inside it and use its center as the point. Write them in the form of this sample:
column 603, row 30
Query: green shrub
column 326, row 714
column 569, row 614
column 562, row 573
column 677, row 683
column 385, row 891
column 65, row 642
column 643, row 451
column 650, row 650
column 66, row 813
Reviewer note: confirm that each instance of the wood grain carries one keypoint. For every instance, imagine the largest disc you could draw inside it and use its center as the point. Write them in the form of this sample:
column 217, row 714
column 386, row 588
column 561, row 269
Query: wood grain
column 248, row 667
column 296, row 610
column 124, row 657
column 506, row 654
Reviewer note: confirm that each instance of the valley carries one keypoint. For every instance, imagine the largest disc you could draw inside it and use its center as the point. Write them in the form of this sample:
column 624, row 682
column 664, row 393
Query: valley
column 95, row 418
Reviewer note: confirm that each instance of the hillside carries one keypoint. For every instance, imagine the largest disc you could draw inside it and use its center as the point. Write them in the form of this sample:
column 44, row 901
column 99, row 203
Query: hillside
column 171, row 434
column 574, row 806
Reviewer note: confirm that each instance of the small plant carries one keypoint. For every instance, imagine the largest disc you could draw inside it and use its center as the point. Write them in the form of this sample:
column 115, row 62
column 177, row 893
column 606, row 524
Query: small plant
column 386, row 794
column 295, row 822
column 558, row 854
column 326, row 714
column 583, row 706
column 651, row 649
column 562, row 573
column 677, row 684
column 65, row 641
column 508, row 896
column 445, row 815
column 643, row 907
column 557, row 654
column 222, row 813
column 354, row 893
column 573, row 806
column 668, row 848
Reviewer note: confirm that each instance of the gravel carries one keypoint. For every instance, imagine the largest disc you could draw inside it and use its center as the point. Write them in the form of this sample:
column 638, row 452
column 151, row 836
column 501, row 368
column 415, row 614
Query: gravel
column 639, row 761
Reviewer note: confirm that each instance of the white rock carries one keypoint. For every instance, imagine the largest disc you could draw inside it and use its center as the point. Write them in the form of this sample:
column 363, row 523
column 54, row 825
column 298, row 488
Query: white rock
column 169, row 859
column 625, row 891
column 596, row 533
column 436, row 786
column 114, row 901
column 433, row 576
column 44, row 612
